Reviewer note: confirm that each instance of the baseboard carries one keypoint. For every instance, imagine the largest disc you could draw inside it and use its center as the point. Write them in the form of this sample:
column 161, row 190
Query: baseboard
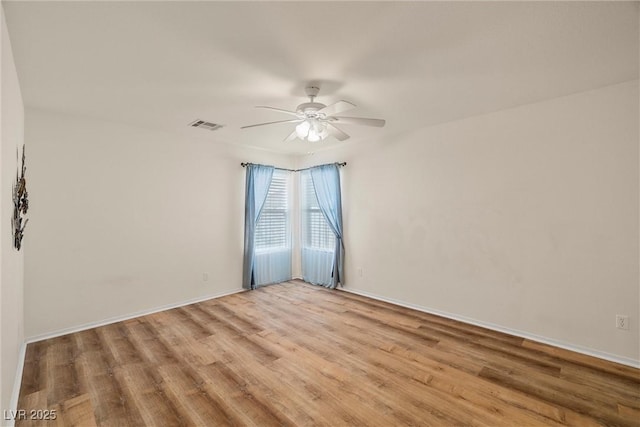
column 111, row 320
column 544, row 340
column 17, row 383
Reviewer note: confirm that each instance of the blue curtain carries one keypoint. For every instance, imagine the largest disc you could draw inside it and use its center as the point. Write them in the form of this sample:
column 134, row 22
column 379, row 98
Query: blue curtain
column 326, row 183
column 272, row 266
column 257, row 186
column 317, row 265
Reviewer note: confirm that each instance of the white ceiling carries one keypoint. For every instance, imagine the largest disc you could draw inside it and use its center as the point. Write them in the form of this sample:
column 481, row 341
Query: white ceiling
column 164, row 64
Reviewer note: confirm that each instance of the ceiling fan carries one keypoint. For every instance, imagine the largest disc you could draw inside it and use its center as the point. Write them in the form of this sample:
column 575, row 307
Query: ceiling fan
column 316, row 121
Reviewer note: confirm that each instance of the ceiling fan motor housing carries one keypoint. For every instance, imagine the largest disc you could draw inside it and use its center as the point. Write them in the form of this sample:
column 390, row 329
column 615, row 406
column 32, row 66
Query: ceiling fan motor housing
column 310, row 108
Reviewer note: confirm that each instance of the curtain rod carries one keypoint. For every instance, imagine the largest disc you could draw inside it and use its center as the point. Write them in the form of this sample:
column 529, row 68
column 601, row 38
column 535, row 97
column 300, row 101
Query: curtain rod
column 296, row 170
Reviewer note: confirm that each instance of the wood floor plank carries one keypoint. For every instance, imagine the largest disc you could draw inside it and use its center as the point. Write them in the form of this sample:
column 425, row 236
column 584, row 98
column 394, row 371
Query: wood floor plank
column 352, row 405
column 61, row 372
column 145, row 397
column 628, row 412
column 175, row 336
column 98, row 380
column 296, row 355
column 254, row 409
column 32, row 377
column 586, row 361
column 600, row 414
column 262, row 380
column 146, row 341
column 185, row 389
column 76, row 412
column 32, row 402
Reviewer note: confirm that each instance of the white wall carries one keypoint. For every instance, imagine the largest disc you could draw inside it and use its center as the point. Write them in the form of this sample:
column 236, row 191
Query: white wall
column 12, row 261
column 525, row 218
column 125, row 219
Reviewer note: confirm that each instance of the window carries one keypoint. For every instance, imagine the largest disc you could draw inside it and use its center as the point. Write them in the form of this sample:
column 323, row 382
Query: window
column 316, row 233
column 272, row 229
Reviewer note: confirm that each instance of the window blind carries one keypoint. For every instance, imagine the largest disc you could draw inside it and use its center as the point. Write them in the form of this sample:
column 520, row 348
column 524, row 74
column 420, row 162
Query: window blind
column 316, row 232
column 273, row 224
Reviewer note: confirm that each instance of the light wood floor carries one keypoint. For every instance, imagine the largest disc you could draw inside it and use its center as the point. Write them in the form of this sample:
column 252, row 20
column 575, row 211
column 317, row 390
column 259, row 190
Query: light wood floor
column 294, row 354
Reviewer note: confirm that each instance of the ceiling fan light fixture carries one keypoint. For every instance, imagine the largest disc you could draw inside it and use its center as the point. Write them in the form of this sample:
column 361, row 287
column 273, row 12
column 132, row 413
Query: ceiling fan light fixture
column 302, row 130
column 313, row 136
column 322, row 131
column 312, row 130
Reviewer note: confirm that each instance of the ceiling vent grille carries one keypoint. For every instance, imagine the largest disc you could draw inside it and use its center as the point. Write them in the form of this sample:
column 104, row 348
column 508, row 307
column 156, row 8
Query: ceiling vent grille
column 204, row 125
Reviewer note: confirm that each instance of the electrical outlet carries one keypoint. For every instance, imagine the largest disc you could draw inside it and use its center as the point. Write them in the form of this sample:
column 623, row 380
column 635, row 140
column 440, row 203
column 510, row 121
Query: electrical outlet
column 360, row 273
column 622, row 322
column 205, row 277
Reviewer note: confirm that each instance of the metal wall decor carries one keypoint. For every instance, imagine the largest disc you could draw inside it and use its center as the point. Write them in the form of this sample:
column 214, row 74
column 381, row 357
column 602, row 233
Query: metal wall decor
column 20, row 204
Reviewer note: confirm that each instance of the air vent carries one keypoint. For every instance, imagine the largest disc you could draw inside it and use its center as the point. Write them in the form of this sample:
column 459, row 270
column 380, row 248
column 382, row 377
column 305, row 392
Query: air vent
column 205, row 125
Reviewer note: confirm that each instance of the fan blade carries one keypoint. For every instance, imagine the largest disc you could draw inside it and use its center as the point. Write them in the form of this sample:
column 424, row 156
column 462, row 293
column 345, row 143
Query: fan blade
column 272, row 123
column 337, row 107
column 293, row 135
column 293, row 113
column 358, row 121
column 336, row 133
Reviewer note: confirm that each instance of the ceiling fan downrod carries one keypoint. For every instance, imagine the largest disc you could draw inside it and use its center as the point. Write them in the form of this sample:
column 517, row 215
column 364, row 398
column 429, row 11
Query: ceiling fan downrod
column 312, row 92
